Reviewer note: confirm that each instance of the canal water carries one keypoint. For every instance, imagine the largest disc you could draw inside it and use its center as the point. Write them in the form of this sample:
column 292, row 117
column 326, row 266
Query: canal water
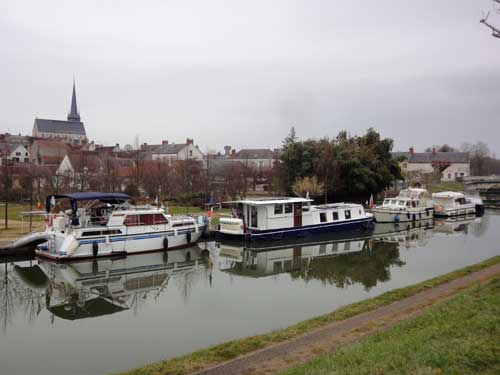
column 104, row 316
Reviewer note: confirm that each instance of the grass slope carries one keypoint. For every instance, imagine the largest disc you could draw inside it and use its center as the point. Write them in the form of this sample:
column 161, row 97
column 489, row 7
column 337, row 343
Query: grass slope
column 209, row 357
column 460, row 336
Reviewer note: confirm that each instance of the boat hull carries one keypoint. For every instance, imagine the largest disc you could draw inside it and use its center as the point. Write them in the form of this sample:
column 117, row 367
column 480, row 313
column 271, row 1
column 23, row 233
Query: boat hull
column 394, row 216
column 298, row 232
column 459, row 211
column 136, row 243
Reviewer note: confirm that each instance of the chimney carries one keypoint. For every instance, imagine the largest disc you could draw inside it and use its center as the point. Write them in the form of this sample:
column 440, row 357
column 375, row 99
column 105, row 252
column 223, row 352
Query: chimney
column 117, row 145
column 411, row 151
column 227, row 150
column 433, row 150
column 233, row 153
column 189, row 141
column 164, row 142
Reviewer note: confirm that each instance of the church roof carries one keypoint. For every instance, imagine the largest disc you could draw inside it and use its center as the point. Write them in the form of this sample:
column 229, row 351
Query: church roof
column 58, row 126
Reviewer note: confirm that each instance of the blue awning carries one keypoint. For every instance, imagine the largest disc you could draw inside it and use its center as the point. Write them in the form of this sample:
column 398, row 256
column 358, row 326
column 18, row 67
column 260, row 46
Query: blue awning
column 116, row 198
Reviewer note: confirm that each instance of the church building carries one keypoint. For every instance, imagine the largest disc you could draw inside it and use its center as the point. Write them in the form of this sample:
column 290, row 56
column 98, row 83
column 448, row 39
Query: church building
column 71, row 131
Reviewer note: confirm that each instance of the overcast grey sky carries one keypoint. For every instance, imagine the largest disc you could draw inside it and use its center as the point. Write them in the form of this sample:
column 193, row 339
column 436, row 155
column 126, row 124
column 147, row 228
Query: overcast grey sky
column 242, row 72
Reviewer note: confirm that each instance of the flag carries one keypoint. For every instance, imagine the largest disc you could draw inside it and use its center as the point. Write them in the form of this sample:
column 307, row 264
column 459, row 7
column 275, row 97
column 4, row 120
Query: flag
column 38, row 203
column 156, row 200
column 370, row 202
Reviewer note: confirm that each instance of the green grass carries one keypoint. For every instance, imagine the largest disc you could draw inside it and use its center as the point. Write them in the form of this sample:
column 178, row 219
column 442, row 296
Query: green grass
column 446, row 186
column 232, row 349
column 14, row 210
column 460, row 336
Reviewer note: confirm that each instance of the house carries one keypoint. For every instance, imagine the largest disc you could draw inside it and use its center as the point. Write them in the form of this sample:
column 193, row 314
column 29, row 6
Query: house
column 48, row 152
column 259, row 158
column 13, row 153
column 71, row 131
column 177, row 151
column 453, row 165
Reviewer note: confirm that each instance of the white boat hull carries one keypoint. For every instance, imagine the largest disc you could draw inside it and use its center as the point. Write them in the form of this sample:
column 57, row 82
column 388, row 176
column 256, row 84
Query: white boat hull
column 68, row 247
column 383, row 215
column 458, row 211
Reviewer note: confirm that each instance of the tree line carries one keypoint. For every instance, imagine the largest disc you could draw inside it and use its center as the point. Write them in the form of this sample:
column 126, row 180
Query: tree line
column 340, row 168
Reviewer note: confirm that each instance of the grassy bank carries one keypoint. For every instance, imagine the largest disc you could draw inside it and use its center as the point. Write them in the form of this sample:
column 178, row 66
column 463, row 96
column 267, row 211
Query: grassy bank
column 446, row 186
column 232, row 349
column 460, row 336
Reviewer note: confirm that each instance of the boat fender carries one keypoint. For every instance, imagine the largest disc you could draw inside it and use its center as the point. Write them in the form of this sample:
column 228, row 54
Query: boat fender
column 188, row 237
column 95, row 248
column 165, row 243
column 408, row 215
column 414, row 217
column 397, row 218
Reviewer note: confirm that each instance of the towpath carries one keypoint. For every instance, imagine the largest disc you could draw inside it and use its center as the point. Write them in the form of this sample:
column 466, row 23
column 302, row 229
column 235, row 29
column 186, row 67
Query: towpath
column 328, row 338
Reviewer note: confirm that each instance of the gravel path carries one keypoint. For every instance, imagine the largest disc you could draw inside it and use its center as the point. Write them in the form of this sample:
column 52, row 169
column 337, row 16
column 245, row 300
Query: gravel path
column 328, row 338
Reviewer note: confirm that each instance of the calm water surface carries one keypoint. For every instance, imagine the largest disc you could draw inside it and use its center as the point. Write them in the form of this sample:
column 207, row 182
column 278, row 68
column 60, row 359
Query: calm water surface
column 104, row 316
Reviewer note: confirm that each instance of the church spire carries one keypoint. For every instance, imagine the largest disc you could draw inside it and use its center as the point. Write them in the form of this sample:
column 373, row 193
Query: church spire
column 73, row 115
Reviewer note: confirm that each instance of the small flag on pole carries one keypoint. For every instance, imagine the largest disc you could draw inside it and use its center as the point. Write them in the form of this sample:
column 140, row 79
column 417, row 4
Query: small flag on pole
column 370, row 202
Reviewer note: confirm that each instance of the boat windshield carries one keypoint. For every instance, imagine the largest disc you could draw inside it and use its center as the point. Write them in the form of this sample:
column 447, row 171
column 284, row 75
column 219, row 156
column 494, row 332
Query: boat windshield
column 401, row 203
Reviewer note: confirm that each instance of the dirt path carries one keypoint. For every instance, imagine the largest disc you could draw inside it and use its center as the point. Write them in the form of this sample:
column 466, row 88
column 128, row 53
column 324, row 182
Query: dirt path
column 328, row 338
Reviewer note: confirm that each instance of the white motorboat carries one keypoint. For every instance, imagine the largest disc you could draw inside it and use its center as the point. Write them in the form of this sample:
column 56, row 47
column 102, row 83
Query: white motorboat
column 411, row 204
column 451, row 203
column 281, row 217
column 107, row 225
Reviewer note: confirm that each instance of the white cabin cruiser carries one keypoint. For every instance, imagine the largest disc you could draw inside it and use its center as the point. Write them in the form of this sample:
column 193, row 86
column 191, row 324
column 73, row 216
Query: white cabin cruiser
column 280, row 217
column 411, row 204
column 107, row 225
column 451, row 203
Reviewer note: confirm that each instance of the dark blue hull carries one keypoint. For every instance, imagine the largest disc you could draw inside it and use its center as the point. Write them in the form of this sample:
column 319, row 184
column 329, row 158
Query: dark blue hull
column 300, row 232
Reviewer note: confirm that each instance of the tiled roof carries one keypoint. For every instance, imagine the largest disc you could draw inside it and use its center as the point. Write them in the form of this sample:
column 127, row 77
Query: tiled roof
column 255, row 153
column 62, row 127
column 170, row 148
column 429, row 157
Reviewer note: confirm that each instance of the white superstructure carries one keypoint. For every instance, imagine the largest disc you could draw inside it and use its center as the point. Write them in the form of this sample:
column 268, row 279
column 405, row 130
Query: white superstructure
column 411, row 204
column 451, row 203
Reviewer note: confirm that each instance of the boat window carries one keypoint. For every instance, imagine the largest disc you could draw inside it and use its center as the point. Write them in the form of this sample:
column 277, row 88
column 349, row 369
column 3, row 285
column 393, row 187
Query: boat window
column 278, row 209
column 335, row 215
column 101, row 232
column 413, row 204
column 253, row 217
column 401, row 203
column 386, row 201
column 305, row 207
column 288, row 208
column 131, row 220
column 322, row 217
column 347, row 214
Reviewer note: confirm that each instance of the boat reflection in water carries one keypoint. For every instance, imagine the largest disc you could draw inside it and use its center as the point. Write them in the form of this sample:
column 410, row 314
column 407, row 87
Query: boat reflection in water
column 330, row 260
column 458, row 225
column 407, row 235
column 87, row 289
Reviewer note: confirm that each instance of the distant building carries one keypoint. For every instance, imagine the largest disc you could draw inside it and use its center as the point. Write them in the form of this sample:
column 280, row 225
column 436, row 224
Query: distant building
column 48, row 152
column 177, row 151
column 258, row 158
column 71, row 131
column 13, row 154
column 456, row 164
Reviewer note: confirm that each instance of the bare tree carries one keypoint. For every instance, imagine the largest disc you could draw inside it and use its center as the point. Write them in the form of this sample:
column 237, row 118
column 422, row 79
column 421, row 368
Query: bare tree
column 495, row 32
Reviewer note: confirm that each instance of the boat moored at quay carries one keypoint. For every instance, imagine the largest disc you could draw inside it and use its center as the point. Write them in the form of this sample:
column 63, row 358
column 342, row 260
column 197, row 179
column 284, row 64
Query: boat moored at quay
column 108, row 225
column 281, row 217
column 411, row 204
column 451, row 203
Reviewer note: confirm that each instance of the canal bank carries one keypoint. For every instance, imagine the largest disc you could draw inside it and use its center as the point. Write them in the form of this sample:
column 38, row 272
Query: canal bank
column 281, row 349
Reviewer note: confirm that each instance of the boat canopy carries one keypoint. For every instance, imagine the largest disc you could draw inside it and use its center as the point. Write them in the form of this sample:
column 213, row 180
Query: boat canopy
column 115, row 198
column 269, row 201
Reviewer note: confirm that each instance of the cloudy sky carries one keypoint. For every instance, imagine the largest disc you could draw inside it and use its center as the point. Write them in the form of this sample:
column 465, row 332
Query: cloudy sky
column 242, row 72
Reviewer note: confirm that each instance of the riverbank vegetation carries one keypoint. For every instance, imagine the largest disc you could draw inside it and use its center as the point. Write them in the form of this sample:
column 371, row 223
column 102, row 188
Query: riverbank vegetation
column 459, row 336
column 209, row 357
